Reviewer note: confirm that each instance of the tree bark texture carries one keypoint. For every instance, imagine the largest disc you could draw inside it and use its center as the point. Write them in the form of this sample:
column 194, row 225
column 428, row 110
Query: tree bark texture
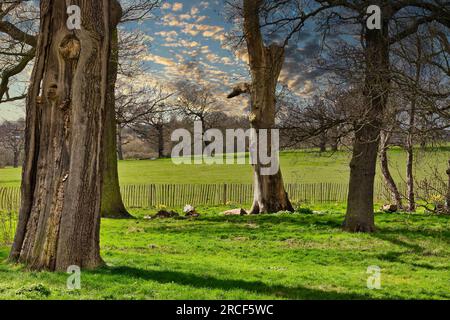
column 265, row 64
column 59, row 219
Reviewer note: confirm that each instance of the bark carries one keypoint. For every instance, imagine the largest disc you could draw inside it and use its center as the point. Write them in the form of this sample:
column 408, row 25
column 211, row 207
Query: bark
column 360, row 208
column 59, row 219
column 112, row 205
column 388, row 180
column 265, row 64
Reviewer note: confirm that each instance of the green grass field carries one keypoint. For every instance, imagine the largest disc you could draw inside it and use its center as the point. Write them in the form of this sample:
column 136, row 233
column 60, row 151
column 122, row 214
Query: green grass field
column 281, row 256
column 298, row 167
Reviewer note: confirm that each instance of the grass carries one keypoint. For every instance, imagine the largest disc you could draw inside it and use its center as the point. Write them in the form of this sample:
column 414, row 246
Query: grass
column 281, row 256
column 297, row 166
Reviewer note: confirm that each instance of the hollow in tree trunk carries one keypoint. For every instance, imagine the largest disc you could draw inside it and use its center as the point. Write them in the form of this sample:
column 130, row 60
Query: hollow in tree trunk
column 59, row 219
column 360, row 207
column 265, row 64
column 388, row 180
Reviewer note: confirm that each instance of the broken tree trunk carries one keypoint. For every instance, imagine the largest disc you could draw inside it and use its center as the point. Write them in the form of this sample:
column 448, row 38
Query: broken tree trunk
column 265, row 64
column 59, row 219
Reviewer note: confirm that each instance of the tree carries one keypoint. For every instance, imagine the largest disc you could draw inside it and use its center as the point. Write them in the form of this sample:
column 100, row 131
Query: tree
column 59, row 219
column 377, row 80
column 21, row 41
column 11, row 138
column 265, row 64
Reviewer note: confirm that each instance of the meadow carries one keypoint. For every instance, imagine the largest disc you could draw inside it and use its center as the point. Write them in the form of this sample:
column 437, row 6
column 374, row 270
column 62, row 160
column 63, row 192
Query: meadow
column 303, row 255
column 280, row 256
column 297, row 167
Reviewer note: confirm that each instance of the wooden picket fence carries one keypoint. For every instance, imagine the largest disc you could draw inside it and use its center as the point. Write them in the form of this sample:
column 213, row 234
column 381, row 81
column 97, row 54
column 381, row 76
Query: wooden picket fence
column 172, row 195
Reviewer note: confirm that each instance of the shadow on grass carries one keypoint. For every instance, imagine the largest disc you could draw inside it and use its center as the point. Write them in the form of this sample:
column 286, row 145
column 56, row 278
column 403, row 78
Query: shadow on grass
column 410, row 248
column 208, row 282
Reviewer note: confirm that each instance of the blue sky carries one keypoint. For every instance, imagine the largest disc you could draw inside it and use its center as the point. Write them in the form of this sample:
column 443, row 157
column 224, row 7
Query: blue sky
column 187, row 40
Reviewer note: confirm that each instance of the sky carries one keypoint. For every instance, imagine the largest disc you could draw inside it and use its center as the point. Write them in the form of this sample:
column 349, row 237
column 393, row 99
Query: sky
column 188, row 40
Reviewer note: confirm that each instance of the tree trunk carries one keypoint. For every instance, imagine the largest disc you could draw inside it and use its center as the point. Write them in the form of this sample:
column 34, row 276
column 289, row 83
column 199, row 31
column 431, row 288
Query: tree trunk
column 112, row 205
column 16, row 155
column 410, row 145
column 410, row 176
column 360, row 215
column 160, row 133
column 335, row 145
column 388, row 180
column 447, row 198
column 265, row 64
column 59, row 219
column 323, row 143
column 119, row 143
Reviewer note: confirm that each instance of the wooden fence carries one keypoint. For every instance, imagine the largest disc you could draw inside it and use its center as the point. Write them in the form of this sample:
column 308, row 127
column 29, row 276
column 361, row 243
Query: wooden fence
column 172, row 195
column 144, row 196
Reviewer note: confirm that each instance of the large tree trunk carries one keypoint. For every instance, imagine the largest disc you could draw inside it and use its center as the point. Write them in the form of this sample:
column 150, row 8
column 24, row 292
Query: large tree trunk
column 112, row 204
column 388, row 180
column 59, row 219
column 265, row 64
column 360, row 215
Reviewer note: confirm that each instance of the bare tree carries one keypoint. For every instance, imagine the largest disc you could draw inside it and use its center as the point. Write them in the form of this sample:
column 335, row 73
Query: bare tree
column 376, row 45
column 18, row 23
column 12, row 139
column 282, row 19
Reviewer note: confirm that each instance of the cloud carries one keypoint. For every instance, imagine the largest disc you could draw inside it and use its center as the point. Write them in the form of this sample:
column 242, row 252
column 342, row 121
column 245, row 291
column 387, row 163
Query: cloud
column 177, row 6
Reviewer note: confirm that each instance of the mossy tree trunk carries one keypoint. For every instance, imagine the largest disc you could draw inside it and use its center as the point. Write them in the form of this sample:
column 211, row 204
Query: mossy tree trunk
column 112, row 204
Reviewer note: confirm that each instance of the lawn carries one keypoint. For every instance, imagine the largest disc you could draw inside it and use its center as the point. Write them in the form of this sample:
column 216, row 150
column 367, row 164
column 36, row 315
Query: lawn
column 297, row 166
column 280, row 256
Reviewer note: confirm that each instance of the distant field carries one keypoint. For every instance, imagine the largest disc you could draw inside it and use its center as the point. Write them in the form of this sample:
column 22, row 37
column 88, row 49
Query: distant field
column 297, row 167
